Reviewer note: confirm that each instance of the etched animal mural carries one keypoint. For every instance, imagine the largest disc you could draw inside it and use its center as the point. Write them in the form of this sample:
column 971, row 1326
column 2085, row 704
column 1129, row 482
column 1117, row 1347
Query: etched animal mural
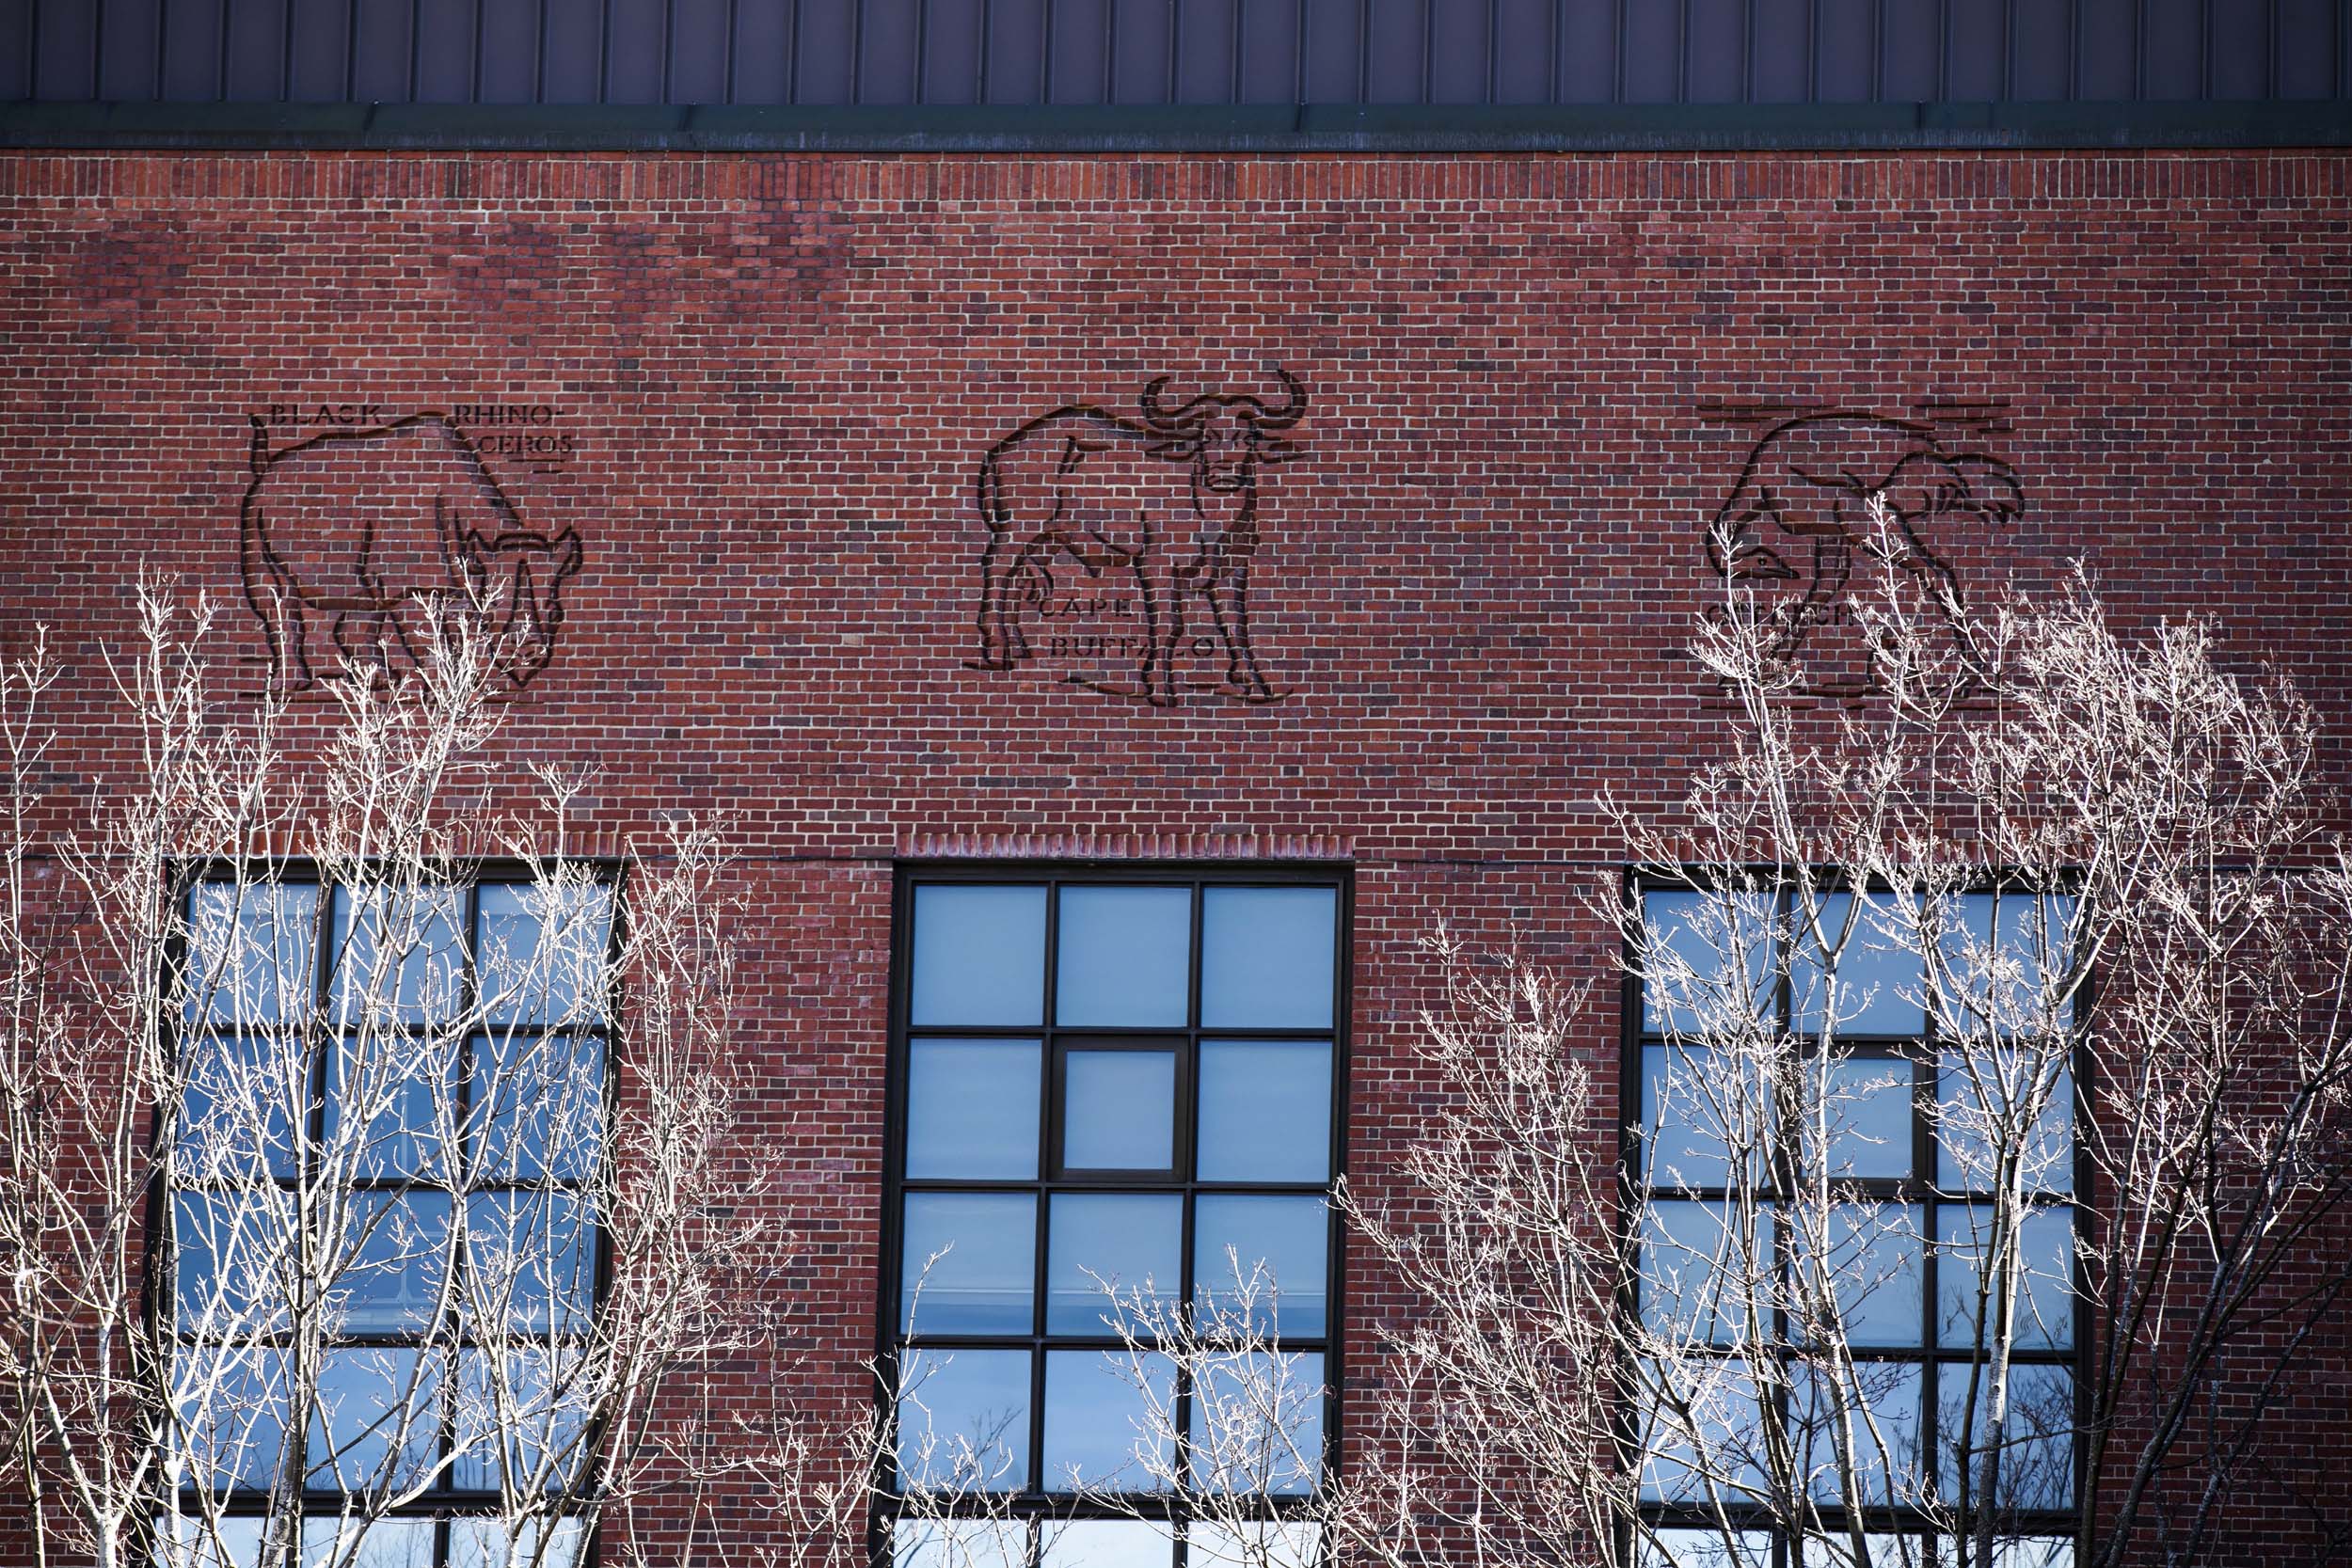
column 350, row 539
column 1801, row 512
column 1170, row 500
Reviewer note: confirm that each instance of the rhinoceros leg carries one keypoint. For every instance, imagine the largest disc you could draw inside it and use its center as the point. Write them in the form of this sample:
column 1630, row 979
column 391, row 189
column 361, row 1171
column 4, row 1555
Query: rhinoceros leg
column 377, row 631
column 361, row 635
column 363, row 625
column 277, row 599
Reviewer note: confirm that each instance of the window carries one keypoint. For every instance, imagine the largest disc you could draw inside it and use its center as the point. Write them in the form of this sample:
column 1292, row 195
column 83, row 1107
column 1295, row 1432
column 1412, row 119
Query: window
column 384, row 1246
column 1117, row 1104
column 1822, row 1148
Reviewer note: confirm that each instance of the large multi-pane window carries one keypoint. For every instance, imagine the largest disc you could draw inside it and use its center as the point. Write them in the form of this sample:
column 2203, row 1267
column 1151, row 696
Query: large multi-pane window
column 1853, row 1186
column 1117, row 1102
column 384, row 1249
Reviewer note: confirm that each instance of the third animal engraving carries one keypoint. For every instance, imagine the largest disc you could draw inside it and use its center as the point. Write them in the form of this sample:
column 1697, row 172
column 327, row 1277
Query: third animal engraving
column 1798, row 517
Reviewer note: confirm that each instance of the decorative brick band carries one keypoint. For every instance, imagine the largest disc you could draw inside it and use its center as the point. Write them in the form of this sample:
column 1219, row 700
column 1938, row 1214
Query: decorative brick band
column 1126, row 846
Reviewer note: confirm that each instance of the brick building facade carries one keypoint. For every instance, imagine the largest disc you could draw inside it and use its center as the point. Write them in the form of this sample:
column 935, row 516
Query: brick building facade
column 746, row 411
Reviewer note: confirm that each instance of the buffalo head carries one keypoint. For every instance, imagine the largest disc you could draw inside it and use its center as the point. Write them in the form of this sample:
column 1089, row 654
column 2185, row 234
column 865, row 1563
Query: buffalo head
column 1223, row 436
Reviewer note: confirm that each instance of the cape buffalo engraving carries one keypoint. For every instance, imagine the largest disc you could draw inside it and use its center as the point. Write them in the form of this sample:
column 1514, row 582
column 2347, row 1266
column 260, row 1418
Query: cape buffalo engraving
column 356, row 532
column 1170, row 498
column 1801, row 510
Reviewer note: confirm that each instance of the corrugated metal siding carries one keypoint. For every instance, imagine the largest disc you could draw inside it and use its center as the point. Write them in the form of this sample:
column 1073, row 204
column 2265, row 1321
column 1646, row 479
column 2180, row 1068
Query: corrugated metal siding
column 1174, row 52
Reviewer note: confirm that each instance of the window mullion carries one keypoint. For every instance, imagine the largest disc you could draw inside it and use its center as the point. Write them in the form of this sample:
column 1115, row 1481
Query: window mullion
column 1926, row 1117
column 457, row 1165
column 1048, row 1013
column 1035, row 1459
column 322, row 1024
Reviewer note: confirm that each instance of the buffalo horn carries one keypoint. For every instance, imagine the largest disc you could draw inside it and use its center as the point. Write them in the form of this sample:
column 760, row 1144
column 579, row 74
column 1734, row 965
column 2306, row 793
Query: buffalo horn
column 1291, row 411
column 1159, row 417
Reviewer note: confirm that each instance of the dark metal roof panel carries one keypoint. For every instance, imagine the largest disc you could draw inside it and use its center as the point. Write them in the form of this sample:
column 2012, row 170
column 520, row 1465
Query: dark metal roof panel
column 927, row 57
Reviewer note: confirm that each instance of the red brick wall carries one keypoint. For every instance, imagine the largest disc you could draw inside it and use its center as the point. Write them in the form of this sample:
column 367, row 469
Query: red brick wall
column 767, row 384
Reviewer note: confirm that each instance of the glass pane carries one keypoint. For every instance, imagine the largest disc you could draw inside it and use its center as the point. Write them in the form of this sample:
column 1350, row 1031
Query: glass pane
column 1106, row 1544
column 1107, row 1249
column 542, row 951
column 245, row 1097
column 479, row 1543
column 181, row 1542
column 2043, row 1301
column 964, row 1420
column 1707, row 1548
column 2003, row 955
column 400, row 960
column 979, row 955
column 1887, row 1444
column 1696, row 1109
column 1886, row 1551
column 232, row 1400
column 1867, row 1104
column 1880, row 974
column 1266, row 1111
column 396, row 1257
column 388, row 1101
column 538, row 1106
column 530, row 1260
column 2034, row 1552
column 1119, row 1110
column 535, row 1398
column 1260, row 1261
column 1257, row 1423
column 2035, row 1440
column 969, row 1264
column 377, row 1421
column 1125, row 957
column 1721, row 1436
column 1110, row 1420
column 251, row 952
column 1261, row 1544
column 1709, row 961
column 1871, row 1277
column 2000, row 1099
column 1704, row 1280
column 972, row 1108
column 362, row 1543
column 1268, row 957
column 959, row 1543
column 234, row 1258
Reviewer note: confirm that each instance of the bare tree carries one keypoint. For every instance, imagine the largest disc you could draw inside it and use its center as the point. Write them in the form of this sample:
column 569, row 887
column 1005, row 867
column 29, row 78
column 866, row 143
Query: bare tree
column 372, row 1165
column 1922, row 1253
column 324, row 1194
column 1495, row 1436
column 2156, row 826
column 795, row 1483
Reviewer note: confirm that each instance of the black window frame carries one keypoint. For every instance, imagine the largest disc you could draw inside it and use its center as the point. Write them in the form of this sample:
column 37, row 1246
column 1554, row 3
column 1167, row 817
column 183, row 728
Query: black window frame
column 1033, row 1501
column 1058, row 1046
column 444, row 1505
column 1925, row 1051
